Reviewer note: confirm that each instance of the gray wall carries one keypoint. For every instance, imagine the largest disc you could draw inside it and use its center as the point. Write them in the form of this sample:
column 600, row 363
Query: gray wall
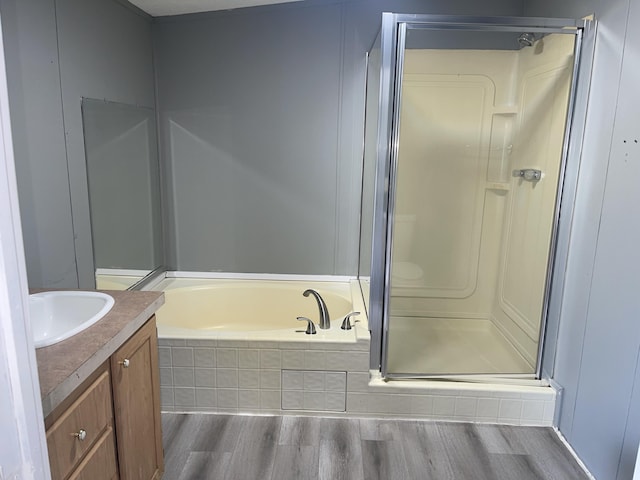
column 105, row 53
column 122, row 173
column 599, row 335
column 261, row 125
column 291, row 76
column 29, row 30
column 57, row 53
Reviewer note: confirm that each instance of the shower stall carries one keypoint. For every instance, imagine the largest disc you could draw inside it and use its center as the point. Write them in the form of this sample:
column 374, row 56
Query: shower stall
column 466, row 139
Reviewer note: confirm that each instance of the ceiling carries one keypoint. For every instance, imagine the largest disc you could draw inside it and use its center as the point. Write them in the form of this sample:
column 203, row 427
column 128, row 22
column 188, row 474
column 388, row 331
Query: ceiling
column 159, row 8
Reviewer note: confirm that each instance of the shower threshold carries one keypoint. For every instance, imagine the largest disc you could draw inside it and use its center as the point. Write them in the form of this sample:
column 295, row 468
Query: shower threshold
column 506, row 379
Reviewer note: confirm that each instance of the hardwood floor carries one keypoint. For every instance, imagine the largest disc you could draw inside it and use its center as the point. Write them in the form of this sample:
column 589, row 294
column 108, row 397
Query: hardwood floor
column 230, row 447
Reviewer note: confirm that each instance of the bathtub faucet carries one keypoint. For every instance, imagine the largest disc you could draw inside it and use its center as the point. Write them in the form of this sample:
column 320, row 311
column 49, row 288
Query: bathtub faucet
column 324, row 313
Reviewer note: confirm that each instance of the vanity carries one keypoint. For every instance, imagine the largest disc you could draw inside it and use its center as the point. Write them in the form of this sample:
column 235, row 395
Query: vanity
column 101, row 395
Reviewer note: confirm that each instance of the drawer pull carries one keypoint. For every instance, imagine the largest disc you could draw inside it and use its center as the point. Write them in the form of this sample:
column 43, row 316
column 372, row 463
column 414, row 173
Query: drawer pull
column 81, row 435
column 124, row 363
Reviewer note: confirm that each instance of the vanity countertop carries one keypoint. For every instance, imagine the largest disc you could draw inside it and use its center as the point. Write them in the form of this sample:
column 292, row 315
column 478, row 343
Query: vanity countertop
column 62, row 367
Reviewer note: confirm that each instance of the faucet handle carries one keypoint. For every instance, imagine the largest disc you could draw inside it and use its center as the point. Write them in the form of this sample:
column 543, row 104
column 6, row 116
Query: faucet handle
column 311, row 328
column 346, row 324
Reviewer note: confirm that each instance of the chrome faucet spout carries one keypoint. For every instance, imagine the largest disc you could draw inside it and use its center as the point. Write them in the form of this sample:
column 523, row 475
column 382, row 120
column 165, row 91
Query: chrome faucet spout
column 324, row 322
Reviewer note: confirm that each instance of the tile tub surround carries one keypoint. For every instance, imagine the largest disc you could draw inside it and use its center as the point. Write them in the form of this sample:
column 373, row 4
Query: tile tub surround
column 233, row 376
column 265, row 372
column 63, row 366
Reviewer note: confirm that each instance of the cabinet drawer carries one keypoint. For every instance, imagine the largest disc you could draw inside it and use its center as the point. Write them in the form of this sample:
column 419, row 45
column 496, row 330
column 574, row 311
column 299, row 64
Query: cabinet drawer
column 91, row 413
column 100, row 462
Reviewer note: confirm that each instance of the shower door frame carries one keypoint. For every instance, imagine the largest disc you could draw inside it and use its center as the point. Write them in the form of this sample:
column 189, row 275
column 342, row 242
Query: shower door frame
column 392, row 47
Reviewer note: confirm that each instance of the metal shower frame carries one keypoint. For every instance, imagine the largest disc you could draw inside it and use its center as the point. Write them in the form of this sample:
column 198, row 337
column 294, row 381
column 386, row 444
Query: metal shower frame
column 392, row 44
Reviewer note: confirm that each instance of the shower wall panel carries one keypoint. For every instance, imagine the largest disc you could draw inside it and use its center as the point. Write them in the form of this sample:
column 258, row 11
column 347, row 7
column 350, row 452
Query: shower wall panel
column 481, row 240
column 543, row 81
column 450, row 143
column 443, row 142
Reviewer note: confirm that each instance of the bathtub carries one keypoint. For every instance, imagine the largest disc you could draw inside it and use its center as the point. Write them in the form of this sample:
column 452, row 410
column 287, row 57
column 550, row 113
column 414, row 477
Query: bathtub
column 234, row 346
column 250, row 309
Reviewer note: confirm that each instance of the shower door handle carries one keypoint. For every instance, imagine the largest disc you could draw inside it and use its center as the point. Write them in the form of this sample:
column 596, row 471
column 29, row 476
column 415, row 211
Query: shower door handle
column 530, row 174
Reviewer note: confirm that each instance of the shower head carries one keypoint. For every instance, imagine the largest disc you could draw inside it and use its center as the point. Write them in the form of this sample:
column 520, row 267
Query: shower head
column 526, row 39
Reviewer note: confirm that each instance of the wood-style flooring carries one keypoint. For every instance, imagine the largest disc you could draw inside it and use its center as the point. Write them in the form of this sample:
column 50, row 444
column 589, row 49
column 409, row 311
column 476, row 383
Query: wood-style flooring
column 232, row 447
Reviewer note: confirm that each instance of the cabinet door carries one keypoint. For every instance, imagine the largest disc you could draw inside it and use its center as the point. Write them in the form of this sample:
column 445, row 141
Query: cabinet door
column 136, row 399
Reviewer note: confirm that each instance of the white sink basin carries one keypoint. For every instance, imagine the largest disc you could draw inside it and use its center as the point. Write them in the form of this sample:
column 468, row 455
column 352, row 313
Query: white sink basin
column 56, row 316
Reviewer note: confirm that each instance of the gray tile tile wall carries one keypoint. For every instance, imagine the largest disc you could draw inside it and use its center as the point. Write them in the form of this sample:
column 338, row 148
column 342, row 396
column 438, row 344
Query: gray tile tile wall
column 205, row 377
column 249, row 378
column 182, row 356
column 204, row 357
column 249, row 399
column 321, row 391
column 269, row 377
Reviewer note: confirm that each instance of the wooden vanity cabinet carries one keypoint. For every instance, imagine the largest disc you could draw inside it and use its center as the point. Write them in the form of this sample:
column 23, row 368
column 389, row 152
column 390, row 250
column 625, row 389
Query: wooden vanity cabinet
column 109, row 428
column 136, row 399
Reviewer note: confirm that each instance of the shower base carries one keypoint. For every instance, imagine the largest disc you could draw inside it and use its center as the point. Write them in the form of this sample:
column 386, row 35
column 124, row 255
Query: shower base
column 448, row 346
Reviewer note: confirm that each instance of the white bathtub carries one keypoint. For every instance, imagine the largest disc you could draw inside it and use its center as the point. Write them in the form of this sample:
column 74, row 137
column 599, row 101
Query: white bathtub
column 234, row 346
column 256, row 309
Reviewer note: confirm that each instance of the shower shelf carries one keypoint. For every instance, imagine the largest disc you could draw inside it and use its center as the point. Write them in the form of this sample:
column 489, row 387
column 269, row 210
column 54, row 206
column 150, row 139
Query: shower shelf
column 505, row 110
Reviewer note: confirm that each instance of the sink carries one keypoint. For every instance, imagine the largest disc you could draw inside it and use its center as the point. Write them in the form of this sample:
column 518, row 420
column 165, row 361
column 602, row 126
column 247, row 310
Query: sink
column 56, row 316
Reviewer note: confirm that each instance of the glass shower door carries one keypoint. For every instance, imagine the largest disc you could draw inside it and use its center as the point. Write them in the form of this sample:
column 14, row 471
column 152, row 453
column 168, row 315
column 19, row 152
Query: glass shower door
column 478, row 138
